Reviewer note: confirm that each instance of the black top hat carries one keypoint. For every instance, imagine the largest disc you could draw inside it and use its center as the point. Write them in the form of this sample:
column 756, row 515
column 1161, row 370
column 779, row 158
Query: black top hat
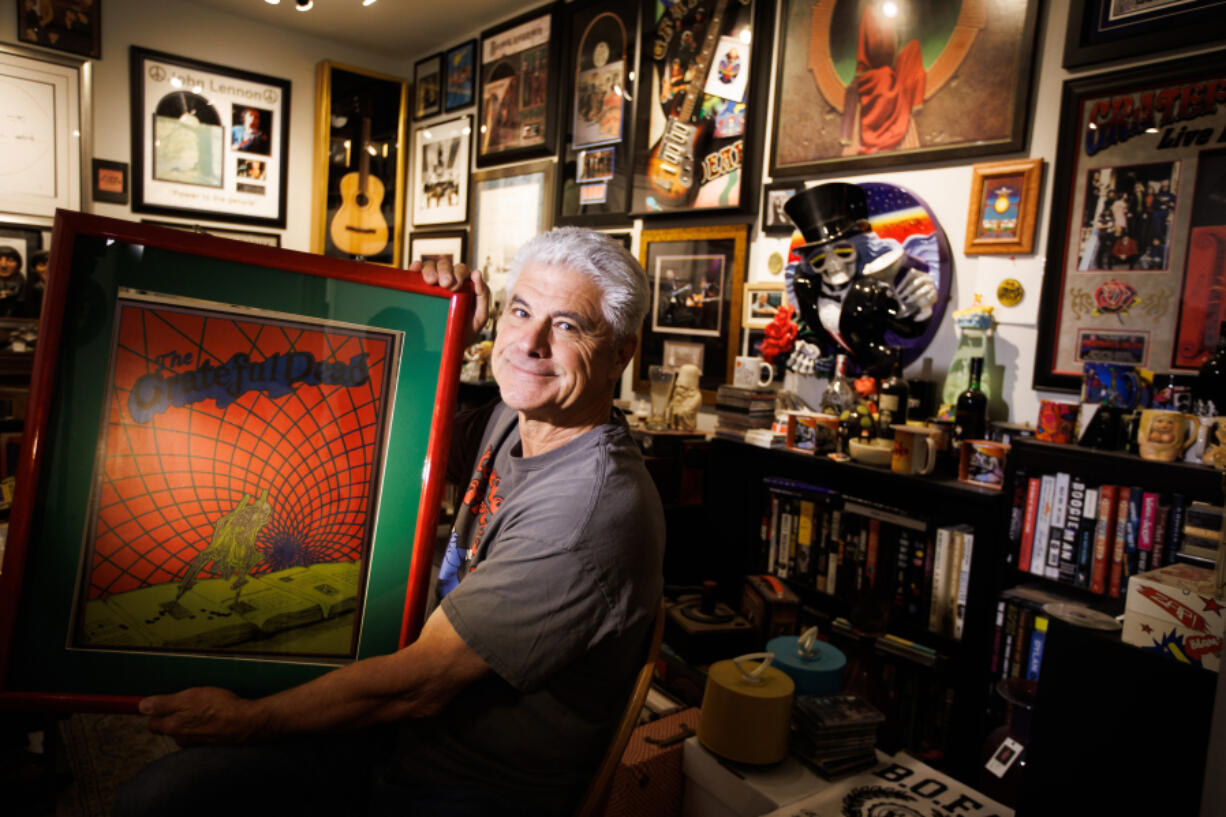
column 828, row 212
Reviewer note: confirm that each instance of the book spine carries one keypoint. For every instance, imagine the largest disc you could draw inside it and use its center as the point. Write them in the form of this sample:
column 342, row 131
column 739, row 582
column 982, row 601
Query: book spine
column 1104, row 538
column 1132, row 533
column 1085, row 538
column 1174, row 526
column 1038, row 636
column 921, row 553
column 1115, row 577
column 1017, row 515
column 1021, row 642
column 937, row 609
column 902, row 568
column 804, row 540
column 967, row 537
column 872, row 550
column 1006, row 651
column 1160, row 514
column 1042, row 531
column 930, row 547
column 1059, row 512
column 1067, row 567
column 823, row 549
column 786, row 528
column 1145, row 536
column 998, row 637
column 772, row 551
column 836, row 550
column 1028, row 522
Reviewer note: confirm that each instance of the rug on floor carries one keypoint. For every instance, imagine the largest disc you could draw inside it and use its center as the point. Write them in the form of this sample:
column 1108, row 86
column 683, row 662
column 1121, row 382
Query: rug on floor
column 103, row 751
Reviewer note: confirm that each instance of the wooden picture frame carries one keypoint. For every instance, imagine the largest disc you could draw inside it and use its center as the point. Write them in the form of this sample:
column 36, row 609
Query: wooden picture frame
column 518, row 66
column 428, row 87
column 358, row 187
column 1004, row 205
column 459, row 76
column 761, row 300
column 440, row 172
column 432, row 245
column 511, row 205
column 58, row 90
column 199, row 504
column 1103, row 30
column 702, row 259
column 187, row 145
column 775, row 219
column 818, row 125
column 1132, row 275
column 74, row 27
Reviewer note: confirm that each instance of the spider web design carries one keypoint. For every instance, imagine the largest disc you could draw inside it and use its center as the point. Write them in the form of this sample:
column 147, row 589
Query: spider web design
column 164, row 484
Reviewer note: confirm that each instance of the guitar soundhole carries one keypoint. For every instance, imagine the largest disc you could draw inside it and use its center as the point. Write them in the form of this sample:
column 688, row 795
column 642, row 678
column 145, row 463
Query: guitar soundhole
column 362, row 200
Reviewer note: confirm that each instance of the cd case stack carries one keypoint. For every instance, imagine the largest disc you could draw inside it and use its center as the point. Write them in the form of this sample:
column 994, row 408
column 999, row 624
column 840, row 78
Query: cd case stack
column 835, row 734
column 738, row 410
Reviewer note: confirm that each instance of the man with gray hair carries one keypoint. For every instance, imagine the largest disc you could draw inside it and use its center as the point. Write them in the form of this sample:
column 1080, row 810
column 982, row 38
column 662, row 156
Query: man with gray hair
column 550, row 585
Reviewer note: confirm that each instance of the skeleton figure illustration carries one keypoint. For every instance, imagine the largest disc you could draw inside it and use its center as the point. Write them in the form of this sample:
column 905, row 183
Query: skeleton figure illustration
column 232, row 549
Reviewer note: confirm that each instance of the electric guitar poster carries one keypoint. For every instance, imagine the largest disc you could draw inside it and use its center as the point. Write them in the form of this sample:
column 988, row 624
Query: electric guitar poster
column 698, row 58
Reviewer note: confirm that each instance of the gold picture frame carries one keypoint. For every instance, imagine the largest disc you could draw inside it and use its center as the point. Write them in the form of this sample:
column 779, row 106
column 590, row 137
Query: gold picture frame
column 1004, row 202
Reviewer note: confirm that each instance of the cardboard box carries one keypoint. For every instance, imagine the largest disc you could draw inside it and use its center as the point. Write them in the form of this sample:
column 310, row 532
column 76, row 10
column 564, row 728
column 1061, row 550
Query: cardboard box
column 1172, row 610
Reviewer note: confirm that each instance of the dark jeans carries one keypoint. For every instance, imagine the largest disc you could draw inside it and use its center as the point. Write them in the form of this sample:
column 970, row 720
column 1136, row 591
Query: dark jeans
column 331, row 776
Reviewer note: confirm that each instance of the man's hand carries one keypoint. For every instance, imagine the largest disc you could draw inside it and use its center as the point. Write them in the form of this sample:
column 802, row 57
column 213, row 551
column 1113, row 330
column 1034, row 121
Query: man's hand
column 202, row 715
column 447, row 276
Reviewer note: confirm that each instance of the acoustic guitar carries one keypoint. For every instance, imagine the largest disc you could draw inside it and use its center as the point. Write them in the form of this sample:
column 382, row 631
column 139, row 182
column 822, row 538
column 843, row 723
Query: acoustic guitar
column 358, row 227
column 671, row 171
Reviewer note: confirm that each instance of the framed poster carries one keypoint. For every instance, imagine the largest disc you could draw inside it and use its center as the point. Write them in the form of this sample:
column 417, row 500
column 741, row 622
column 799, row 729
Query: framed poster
column 696, row 276
column 601, row 59
column 192, row 124
column 250, row 236
column 214, row 446
column 512, row 205
column 1100, row 30
column 451, row 244
column 700, row 140
column 775, row 219
column 440, row 172
column 518, row 68
column 1003, row 207
column 66, row 25
column 459, row 76
column 857, row 89
column 45, row 131
column 359, row 164
column 110, row 181
column 1134, row 267
column 761, row 300
column 427, row 81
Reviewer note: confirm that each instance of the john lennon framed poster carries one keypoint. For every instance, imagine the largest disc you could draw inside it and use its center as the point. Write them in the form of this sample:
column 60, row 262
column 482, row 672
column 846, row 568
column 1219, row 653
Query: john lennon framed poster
column 859, row 87
column 1134, row 257
column 518, row 69
column 193, row 124
column 205, row 493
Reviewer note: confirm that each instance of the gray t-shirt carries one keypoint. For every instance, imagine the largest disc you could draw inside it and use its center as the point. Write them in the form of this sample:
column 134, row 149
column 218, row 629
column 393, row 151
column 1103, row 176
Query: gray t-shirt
column 558, row 592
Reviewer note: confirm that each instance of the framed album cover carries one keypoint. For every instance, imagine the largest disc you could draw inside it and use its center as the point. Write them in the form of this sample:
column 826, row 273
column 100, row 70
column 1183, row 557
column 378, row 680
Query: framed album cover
column 459, row 76
column 205, row 494
column 858, row 87
column 1101, row 30
column 74, row 26
column 518, row 68
column 699, row 143
column 427, row 83
column 1004, row 205
column 1134, row 269
column 193, row 125
column 440, row 172
column 359, row 164
column 431, row 246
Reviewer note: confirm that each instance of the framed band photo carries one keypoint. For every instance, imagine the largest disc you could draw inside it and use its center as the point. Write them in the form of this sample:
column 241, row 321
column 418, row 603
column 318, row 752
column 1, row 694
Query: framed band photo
column 775, row 219
column 192, row 124
column 449, row 244
column 459, row 76
column 440, row 172
column 518, row 69
column 761, row 300
column 427, row 85
column 1004, row 204
column 205, row 493
column 66, row 25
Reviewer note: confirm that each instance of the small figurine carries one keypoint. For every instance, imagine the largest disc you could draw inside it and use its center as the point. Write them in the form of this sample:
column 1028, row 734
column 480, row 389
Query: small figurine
column 1215, row 446
column 686, row 400
column 476, row 362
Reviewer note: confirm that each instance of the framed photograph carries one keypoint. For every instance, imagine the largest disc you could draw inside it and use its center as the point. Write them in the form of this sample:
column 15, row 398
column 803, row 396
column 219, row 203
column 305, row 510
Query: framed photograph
column 45, row 130
column 187, row 144
column 110, row 181
column 696, row 276
column 512, row 205
column 1003, row 208
column 428, row 82
column 440, row 172
column 67, row 25
column 1134, row 266
column 459, row 76
column 18, row 245
column 450, row 244
column 857, row 89
column 250, row 236
column 700, row 142
column 205, row 493
column 761, row 300
column 359, row 164
column 599, row 67
column 679, row 352
column 518, row 68
column 775, row 219
column 1101, row 30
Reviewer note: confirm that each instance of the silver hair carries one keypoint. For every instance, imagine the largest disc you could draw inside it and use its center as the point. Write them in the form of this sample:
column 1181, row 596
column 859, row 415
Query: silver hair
column 626, row 296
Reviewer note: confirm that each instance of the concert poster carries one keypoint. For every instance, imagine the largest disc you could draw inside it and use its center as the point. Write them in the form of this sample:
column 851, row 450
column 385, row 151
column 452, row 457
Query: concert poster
column 516, row 75
column 702, row 64
column 235, row 482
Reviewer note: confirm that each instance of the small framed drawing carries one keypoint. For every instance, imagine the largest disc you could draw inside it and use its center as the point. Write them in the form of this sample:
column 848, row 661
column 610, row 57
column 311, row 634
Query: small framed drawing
column 427, row 83
column 459, row 76
column 775, row 219
column 762, row 300
column 187, row 144
column 449, row 244
column 66, row 25
column 1004, row 203
column 110, row 181
column 440, row 172
column 518, row 68
column 679, row 352
column 512, row 204
column 251, row 535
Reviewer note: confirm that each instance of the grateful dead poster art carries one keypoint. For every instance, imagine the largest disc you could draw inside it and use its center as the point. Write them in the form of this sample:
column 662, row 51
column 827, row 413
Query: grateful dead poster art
column 235, row 482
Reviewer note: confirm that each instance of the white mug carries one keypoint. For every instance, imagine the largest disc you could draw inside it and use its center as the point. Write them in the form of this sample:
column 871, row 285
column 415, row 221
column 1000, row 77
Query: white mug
column 752, row 373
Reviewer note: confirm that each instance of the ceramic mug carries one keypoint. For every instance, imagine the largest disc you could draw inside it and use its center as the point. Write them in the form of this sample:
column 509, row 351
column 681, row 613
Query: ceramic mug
column 1164, row 435
column 983, row 463
column 752, row 373
column 1057, row 422
column 915, row 449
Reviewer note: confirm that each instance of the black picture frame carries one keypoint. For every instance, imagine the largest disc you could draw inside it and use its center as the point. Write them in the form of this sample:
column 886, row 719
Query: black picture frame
column 109, row 181
column 518, row 65
column 598, row 114
column 1104, row 300
column 1093, row 37
column 459, row 76
column 774, row 220
column 428, row 87
column 25, row 240
column 72, row 27
column 458, row 240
